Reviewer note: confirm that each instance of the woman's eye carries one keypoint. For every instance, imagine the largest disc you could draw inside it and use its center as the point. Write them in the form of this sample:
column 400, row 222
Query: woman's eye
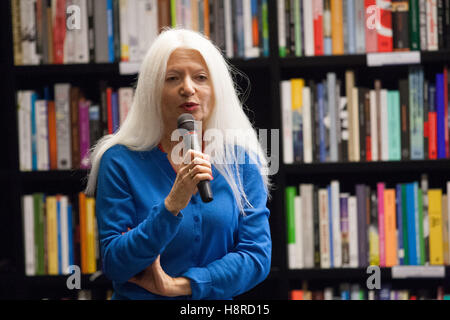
column 172, row 78
column 202, row 77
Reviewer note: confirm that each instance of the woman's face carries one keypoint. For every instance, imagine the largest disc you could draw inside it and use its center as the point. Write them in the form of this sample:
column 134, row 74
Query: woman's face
column 187, row 88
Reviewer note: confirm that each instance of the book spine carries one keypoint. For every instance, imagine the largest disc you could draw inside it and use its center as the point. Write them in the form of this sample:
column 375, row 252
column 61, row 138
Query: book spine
column 62, row 94
column 361, row 231
column 28, row 234
column 333, row 116
column 83, row 108
column 360, row 27
column 52, row 235
column 42, row 135
column 400, row 25
column 399, row 214
column 384, row 29
column 290, row 193
column 336, row 218
column 423, row 24
column 381, row 223
column 373, row 126
column 371, row 16
column 354, row 249
column 337, row 32
column 75, row 133
column 390, row 228
column 308, row 27
column 324, row 229
column 432, row 32
column 24, row 125
column 436, row 237
column 307, row 130
column 414, row 25
column 440, row 106
column 394, row 125
column 318, row 27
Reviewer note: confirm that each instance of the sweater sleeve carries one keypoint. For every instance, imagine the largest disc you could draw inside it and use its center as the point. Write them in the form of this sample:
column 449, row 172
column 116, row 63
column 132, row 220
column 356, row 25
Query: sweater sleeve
column 249, row 262
column 126, row 254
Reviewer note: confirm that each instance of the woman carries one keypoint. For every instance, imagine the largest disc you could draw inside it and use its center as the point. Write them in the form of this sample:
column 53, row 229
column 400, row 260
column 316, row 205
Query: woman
column 158, row 239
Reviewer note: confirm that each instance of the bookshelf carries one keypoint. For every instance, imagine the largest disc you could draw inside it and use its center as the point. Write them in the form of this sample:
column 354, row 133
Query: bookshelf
column 265, row 75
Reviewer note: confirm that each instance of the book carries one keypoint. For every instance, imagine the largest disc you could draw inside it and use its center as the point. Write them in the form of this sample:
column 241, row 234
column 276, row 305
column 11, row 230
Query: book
column 436, row 237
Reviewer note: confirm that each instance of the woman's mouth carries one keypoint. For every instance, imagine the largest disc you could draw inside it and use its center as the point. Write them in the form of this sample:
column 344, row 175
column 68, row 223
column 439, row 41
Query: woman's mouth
column 189, row 106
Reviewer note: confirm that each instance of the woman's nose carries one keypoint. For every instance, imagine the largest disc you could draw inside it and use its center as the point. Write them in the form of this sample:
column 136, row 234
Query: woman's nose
column 187, row 88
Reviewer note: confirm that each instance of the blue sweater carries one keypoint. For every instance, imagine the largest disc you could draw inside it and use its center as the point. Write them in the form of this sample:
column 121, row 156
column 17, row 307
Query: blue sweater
column 221, row 251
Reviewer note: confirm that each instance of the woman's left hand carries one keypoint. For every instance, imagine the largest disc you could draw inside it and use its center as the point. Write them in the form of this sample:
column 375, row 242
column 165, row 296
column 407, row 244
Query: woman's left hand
column 157, row 281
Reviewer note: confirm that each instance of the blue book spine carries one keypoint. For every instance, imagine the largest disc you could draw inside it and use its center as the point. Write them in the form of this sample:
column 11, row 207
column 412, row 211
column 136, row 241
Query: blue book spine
column 401, row 252
column 440, row 113
column 333, row 116
column 109, row 11
column 330, row 225
column 411, row 224
column 416, row 113
column 416, row 221
column 33, row 132
column 58, row 214
column 70, row 234
column 115, row 111
column 351, row 26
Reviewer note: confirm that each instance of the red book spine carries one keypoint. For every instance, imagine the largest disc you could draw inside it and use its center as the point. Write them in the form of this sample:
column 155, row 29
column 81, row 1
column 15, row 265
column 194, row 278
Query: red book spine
column 318, row 27
column 432, row 135
column 371, row 31
column 384, row 27
column 109, row 108
column 59, row 32
column 368, row 148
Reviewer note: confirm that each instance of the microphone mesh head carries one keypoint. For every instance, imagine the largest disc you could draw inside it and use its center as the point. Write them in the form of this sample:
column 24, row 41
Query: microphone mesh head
column 186, row 121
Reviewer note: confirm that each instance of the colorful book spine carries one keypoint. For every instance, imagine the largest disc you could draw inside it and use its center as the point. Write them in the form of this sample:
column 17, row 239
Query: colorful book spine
column 381, row 223
column 436, row 237
column 440, row 113
column 394, row 124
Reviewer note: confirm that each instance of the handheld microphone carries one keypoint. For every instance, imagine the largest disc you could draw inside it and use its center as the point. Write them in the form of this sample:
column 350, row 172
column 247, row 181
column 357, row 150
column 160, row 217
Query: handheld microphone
column 186, row 121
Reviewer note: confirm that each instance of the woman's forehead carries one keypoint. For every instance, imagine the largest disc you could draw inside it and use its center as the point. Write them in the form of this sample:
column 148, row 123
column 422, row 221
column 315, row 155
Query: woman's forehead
column 181, row 56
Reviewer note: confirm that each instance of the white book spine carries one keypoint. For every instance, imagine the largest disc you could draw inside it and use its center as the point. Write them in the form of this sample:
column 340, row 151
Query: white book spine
column 24, row 125
column 355, row 124
column 306, row 192
column 360, row 27
column 125, row 101
column 423, row 24
column 82, row 34
column 299, row 233
column 286, row 110
column 353, row 231
column 63, row 203
column 336, row 218
column 281, row 24
column 307, row 128
column 28, row 31
column 133, row 33
column 147, row 25
column 228, row 29
column 373, row 125
column 43, row 161
column 308, row 27
column 432, row 22
column 70, row 40
column 63, row 138
column 325, row 261
column 28, row 233
column 123, row 25
column 384, row 134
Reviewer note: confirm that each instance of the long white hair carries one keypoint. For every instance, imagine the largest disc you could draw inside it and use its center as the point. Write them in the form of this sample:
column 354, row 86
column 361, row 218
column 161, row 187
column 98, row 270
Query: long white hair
column 143, row 127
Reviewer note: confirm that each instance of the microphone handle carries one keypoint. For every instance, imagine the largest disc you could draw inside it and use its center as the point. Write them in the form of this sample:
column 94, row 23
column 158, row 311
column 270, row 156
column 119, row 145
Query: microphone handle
column 204, row 187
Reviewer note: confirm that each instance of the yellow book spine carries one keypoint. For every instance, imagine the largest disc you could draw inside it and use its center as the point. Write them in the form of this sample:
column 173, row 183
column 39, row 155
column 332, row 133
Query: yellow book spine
column 90, row 235
column 52, row 235
column 337, row 32
column 435, row 224
column 297, row 86
column 374, row 247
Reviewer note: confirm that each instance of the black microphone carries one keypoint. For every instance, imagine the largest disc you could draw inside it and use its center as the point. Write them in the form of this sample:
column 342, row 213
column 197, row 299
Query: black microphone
column 186, row 122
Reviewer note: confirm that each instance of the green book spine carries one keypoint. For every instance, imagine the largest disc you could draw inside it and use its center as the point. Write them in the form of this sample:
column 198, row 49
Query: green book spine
column 173, row 13
column 265, row 28
column 405, row 225
column 414, row 25
column 298, row 29
column 421, row 237
column 38, row 200
column 394, row 135
column 290, row 193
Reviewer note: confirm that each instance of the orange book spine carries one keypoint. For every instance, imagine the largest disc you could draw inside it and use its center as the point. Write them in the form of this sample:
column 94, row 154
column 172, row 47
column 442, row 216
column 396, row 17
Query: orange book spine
column 52, row 145
column 296, row 294
column 337, row 32
column 83, row 245
column 390, row 228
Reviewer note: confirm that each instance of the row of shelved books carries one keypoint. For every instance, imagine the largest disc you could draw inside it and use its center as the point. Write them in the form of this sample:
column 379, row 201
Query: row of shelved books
column 57, row 237
column 103, row 31
column 364, row 124
column 386, row 225
column 354, row 291
column 57, row 129
column 335, row 27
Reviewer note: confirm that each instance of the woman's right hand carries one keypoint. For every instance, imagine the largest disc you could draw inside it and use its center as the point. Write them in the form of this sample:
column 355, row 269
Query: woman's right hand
column 194, row 168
